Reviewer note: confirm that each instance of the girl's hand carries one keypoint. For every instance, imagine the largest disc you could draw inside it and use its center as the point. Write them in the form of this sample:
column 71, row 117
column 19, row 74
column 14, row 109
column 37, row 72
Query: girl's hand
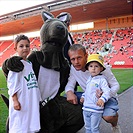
column 17, row 105
column 100, row 103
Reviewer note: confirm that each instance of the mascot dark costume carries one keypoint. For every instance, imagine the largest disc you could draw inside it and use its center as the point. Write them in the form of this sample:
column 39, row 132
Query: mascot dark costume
column 52, row 71
column 66, row 18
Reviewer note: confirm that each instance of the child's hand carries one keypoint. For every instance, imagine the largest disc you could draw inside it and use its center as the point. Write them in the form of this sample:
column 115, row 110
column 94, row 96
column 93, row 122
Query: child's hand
column 17, row 105
column 81, row 100
column 100, row 103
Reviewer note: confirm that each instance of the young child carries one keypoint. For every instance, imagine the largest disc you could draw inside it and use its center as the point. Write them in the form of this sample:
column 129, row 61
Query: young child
column 93, row 106
column 24, row 94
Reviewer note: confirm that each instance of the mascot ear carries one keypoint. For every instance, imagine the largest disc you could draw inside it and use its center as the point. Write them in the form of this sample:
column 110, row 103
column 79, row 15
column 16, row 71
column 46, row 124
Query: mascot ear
column 64, row 16
column 47, row 15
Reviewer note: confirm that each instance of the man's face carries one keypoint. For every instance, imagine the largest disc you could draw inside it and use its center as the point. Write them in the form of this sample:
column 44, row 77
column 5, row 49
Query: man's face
column 78, row 59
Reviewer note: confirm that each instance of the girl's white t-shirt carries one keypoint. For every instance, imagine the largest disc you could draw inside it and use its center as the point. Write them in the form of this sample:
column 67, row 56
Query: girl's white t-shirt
column 25, row 84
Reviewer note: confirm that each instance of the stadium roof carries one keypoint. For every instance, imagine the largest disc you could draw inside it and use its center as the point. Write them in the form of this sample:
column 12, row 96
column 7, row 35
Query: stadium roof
column 8, row 6
column 29, row 19
column 19, row 6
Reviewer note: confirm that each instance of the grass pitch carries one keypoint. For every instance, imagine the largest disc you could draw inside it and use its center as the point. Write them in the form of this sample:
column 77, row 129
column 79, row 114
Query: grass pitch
column 3, row 108
column 124, row 77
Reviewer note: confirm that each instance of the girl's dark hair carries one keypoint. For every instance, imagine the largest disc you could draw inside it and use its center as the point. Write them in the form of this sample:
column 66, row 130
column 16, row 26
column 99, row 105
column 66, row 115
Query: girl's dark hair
column 19, row 38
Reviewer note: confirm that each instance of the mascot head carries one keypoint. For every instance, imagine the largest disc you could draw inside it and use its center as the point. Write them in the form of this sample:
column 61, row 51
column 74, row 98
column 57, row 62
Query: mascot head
column 53, row 36
column 53, row 32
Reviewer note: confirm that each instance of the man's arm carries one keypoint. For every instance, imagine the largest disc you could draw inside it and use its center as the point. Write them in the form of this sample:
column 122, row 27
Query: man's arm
column 69, row 89
column 106, row 95
column 113, row 83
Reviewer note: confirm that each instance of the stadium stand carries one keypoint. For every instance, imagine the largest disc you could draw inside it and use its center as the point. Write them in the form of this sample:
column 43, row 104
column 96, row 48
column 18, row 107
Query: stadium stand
column 118, row 43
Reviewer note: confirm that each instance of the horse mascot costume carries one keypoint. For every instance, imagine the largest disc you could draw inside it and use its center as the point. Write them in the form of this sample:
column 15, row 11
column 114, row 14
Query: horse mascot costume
column 52, row 71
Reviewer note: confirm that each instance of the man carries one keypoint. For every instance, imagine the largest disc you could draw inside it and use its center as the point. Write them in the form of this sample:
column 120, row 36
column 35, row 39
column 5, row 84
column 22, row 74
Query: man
column 78, row 73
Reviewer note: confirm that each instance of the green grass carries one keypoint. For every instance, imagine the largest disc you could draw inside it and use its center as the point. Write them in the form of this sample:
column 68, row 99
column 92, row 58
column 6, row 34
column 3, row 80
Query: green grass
column 124, row 77
column 3, row 108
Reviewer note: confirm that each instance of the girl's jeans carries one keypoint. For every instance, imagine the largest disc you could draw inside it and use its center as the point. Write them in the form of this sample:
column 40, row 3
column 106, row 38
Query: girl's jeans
column 92, row 121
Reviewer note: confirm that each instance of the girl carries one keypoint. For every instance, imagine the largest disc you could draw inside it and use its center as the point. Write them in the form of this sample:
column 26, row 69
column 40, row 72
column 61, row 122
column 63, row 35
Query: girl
column 93, row 106
column 24, row 94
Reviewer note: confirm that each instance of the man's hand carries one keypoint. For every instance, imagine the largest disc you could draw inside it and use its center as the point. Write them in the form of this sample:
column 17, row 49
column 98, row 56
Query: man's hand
column 71, row 97
column 81, row 100
column 98, row 93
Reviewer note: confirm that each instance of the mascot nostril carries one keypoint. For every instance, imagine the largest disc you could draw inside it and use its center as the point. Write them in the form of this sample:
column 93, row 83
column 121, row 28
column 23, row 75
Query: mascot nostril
column 60, row 30
column 60, row 27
